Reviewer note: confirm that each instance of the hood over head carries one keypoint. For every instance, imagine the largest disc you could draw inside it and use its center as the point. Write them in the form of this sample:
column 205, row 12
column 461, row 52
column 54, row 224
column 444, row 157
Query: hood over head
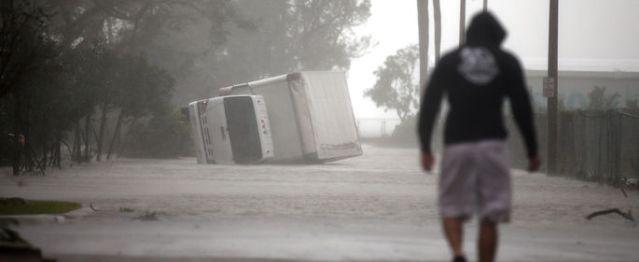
column 485, row 30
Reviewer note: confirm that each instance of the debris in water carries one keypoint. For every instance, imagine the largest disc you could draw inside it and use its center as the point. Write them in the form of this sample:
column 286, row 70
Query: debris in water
column 626, row 215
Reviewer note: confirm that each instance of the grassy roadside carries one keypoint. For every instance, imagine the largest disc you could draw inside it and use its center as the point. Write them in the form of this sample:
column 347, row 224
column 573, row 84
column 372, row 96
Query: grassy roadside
column 19, row 206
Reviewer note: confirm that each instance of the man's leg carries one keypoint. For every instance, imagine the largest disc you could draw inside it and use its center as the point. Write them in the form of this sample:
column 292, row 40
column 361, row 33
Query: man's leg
column 453, row 228
column 456, row 201
column 488, row 239
column 495, row 195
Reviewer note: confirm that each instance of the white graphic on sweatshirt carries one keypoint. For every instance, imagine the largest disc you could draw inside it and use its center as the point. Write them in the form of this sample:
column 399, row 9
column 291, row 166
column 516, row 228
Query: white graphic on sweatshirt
column 478, row 65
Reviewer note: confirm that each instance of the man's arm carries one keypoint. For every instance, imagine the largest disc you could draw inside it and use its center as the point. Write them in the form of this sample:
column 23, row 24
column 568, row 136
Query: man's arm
column 522, row 110
column 429, row 109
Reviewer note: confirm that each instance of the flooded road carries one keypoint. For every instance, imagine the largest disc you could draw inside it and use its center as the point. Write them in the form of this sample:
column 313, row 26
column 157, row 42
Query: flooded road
column 380, row 206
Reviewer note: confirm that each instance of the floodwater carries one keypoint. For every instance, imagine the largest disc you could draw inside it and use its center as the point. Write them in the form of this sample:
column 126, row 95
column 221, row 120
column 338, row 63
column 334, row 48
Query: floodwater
column 379, row 206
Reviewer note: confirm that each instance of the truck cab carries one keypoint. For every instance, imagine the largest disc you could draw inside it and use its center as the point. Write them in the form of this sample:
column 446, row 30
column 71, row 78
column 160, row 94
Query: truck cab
column 231, row 129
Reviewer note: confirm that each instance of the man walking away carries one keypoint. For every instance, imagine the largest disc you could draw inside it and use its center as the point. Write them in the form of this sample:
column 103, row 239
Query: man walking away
column 476, row 78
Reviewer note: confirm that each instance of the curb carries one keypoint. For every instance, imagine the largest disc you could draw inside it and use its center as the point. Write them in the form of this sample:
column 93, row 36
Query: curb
column 45, row 218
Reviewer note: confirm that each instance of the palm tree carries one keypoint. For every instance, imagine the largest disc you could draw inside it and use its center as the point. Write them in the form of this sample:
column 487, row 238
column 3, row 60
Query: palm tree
column 422, row 20
column 437, row 13
column 462, row 21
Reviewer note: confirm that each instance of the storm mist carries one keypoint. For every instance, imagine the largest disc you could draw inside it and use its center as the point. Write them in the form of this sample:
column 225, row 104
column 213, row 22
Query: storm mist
column 288, row 130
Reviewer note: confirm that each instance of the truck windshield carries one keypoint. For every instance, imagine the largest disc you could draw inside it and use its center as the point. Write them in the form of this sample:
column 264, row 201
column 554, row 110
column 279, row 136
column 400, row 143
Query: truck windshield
column 243, row 129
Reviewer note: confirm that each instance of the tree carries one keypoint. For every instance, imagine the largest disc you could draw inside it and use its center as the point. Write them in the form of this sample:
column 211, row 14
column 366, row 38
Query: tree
column 322, row 32
column 437, row 13
column 86, row 73
column 462, row 21
column 134, row 23
column 424, row 35
column 21, row 41
column 24, row 50
column 291, row 36
column 423, row 26
column 46, row 113
column 177, row 35
column 598, row 100
column 79, row 72
column 151, row 30
column 396, row 88
column 68, row 67
column 163, row 135
column 632, row 106
column 148, row 92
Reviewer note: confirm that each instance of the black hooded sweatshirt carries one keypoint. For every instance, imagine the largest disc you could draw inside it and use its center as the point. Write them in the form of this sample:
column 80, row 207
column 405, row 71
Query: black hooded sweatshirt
column 476, row 78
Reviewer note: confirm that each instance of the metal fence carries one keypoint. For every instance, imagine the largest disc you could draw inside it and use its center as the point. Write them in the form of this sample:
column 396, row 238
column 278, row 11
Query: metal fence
column 595, row 146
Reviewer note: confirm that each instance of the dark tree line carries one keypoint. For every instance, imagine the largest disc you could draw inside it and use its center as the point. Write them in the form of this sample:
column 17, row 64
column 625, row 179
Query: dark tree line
column 86, row 79
column 59, row 85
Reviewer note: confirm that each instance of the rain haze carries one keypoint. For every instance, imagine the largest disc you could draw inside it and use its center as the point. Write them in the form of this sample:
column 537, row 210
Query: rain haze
column 297, row 130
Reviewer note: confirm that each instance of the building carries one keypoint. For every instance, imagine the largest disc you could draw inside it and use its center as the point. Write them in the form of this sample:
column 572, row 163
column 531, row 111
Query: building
column 574, row 86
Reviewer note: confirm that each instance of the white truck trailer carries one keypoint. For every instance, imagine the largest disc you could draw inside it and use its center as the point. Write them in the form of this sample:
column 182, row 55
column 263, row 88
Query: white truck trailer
column 309, row 116
column 310, row 113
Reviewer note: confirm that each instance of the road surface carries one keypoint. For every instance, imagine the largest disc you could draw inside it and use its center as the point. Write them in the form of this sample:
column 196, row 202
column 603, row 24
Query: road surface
column 377, row 207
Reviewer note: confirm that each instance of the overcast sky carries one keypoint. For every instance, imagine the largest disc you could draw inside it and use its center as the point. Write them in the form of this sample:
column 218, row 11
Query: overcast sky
column 593, row 35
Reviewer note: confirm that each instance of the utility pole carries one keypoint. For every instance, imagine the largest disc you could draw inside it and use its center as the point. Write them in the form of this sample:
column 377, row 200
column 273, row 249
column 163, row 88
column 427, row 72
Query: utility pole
column 485, row 5
column 550, row 88
column 462, row 22
column 422, row 20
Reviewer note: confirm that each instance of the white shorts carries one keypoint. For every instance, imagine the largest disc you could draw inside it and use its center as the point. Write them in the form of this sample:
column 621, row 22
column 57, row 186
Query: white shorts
column 475, row 178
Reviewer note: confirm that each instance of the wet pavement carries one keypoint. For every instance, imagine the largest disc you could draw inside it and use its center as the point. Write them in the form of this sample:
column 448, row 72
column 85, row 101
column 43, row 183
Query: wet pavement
column 379, row 207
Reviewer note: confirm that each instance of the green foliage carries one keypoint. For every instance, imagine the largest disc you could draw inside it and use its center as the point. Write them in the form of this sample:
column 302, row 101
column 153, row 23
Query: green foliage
column 176, row 35
column 164, row 135
column 291, row 36
column 22, row 45
column 6, row 130
column 406, row 132
column 18, row 206
column 396, row 87
column 632, row 106
column 82, row 58
column 84, row 71
column 75, row 86
column 126, row 210
column 143, row 88
column 598, row 100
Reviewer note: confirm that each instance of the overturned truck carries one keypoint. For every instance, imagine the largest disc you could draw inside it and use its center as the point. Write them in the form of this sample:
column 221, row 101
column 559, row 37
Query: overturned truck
column 297, row 117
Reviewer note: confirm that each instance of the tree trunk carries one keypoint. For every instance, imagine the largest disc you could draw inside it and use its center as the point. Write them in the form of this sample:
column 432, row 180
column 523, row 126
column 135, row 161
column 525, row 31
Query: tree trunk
column 99, row 139
column 400, row 116
column 422, row 20
column 437, row 13
column 16, row 143
column 87, row 126
column 94, row 133
column 462, row 22
column 76, row 154
column 58, row 154
column 44, row 136
column 29, row 152
column 116, row 134
column 45, row 151
column 131, row 123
